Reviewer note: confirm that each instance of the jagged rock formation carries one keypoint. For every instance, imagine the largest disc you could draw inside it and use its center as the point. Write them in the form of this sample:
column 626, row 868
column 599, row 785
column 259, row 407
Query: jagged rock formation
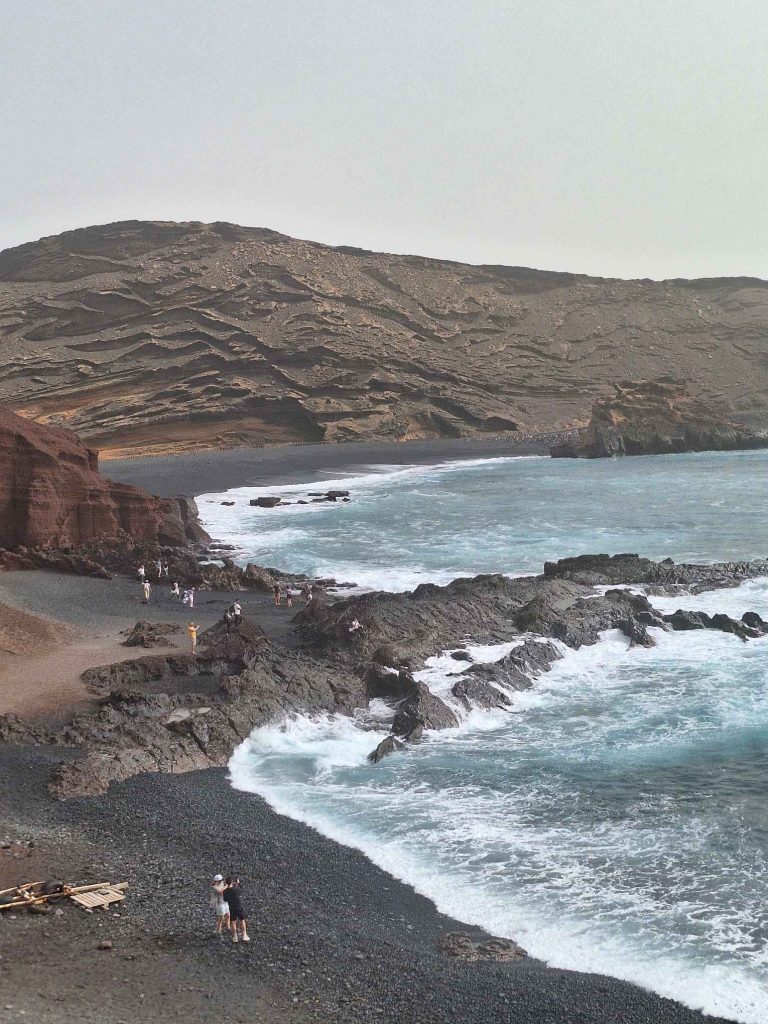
column 178, row 712
column 656, row 418
column 163, row 336
column 52, row 495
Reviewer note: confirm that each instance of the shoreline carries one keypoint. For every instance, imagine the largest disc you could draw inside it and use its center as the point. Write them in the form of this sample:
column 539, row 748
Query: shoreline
column 346, row 939
column 335, row 938
column 214, row 471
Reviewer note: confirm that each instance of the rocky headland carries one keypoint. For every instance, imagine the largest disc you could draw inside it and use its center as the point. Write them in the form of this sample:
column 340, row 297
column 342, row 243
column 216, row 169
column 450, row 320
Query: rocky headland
column 175, row 712
column 659, row 417
column 150, row 336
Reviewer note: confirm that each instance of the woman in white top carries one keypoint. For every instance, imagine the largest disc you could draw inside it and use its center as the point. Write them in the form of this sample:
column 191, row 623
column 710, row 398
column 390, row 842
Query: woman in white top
column 219, row 906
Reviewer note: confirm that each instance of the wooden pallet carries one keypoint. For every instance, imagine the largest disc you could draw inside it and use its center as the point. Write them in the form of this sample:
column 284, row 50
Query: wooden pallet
column 100, row 897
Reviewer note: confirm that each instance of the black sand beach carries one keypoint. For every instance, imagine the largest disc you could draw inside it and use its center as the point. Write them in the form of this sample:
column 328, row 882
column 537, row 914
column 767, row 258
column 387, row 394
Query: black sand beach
column 334, row 938
column 203, row 472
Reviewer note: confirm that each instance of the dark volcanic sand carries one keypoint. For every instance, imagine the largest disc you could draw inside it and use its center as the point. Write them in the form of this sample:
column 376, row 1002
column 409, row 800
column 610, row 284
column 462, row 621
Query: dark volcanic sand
column 334, row 938
column 331, row 931
column 203, row 472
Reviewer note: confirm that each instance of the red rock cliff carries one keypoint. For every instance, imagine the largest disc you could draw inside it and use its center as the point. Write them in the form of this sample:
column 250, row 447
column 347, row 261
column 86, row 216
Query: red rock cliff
column 51, row 491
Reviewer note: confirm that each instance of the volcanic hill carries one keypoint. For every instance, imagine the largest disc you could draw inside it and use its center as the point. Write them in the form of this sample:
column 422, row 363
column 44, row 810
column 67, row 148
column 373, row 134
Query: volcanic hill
column 147, row 336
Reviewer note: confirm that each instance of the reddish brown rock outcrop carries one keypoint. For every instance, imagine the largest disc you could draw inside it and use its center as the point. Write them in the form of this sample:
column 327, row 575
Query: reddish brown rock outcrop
column 52, row 494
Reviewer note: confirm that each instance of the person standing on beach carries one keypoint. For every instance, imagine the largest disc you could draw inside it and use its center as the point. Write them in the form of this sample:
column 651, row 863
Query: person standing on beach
column 289, row 598
column 237, row 614
column 159, row 567
column 191, row 593
column 146, row 590
column 175, row 592
column 142, row 572
column 237, row 916
column 276, row 591
column 166, row 568
column 192, row 634
column 228, row 617
column 219, row 905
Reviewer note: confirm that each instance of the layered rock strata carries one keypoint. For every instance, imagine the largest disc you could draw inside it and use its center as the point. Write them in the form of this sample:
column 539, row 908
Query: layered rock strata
column 163, row 336
column 52, row 496
column 656, row 418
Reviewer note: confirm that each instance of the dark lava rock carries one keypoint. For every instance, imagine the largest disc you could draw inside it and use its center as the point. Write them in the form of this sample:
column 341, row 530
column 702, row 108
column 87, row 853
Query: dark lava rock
column 151, row 634
column 420, row 710
column 637, row 633
column 265, row 502
column 388, row 745
column 461, row 656
column 478, row 693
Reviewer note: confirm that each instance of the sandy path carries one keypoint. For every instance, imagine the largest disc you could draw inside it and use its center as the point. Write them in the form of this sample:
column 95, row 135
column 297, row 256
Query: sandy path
column 41, row 661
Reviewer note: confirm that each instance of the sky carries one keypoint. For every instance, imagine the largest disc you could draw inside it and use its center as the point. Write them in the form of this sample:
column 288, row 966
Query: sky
column 625, row 138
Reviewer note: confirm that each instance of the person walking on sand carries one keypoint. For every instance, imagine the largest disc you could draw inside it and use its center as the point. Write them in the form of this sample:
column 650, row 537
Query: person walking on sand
column 191, row 593
column 219, row 905
column 142, row 572
column 289, row 598
column 146, row 590
column 192, row 634
column 159, row 567
column 276, row 592
column 166, row 568
column 233, row 897
column 175, row 592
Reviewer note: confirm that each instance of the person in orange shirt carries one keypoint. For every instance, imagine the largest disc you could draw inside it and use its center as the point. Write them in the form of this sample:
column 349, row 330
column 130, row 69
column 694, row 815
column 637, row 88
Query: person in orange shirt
column 192, row 632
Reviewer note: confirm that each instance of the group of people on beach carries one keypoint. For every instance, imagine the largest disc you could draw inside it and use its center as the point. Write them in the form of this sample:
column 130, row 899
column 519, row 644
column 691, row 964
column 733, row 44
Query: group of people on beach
column 227, row 904
column 186, row 596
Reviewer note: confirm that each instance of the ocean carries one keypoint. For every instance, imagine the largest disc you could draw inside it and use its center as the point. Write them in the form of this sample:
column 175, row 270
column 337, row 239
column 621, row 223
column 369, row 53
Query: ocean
column 616, row 819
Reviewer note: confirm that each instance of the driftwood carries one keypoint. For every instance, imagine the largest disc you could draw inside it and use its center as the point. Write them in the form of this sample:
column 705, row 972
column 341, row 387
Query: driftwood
column 29, row 895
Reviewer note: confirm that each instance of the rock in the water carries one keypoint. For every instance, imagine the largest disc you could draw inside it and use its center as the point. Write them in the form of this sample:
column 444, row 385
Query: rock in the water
column 265, row 502
column 389, row 745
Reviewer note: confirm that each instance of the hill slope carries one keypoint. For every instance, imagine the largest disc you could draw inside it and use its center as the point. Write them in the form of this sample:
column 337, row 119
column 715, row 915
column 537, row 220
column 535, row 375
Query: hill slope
column 144, row 335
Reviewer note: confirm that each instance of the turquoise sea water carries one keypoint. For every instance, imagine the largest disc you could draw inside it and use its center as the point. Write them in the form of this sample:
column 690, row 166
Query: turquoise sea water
column 616, row 820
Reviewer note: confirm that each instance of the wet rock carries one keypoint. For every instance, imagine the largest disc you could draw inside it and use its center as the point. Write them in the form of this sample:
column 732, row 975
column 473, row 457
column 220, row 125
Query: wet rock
column 389, row 745
column 636, row 632
column 460, row 946
column 479, row 693
column 265, row 502
column 461, row 656
column 421, row 710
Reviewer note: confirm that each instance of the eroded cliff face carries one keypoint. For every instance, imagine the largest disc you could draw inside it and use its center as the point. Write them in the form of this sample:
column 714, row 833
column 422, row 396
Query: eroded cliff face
column 52, row 494
column 656, row 418
column 161, row 336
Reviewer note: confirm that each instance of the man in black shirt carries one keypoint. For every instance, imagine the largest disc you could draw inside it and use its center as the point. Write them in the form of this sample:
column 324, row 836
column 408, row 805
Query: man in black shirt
column 233, row 897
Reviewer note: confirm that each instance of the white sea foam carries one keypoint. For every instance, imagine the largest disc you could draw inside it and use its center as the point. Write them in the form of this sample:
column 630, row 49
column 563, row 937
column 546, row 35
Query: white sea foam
column 577, row 893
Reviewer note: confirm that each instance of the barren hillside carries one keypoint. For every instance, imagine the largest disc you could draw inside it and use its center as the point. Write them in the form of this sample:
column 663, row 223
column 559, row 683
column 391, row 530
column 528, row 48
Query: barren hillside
column 162, row 336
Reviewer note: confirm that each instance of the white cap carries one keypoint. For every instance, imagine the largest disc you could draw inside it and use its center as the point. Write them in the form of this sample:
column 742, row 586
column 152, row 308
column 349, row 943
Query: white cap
column 218, row 878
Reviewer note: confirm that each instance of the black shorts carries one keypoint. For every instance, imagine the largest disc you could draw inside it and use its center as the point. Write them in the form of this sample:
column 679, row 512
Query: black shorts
column 237, row 914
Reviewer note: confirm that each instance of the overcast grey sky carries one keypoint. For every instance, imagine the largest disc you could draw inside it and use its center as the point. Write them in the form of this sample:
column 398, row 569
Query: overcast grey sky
column 616, row 137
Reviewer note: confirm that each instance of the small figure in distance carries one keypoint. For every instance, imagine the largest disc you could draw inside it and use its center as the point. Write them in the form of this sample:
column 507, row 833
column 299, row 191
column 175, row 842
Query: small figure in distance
column 192, row 633
column 146, row 590
column 159, row 567
column 191, row 594
column 289, row 598
column 166, row 567
column 228, row 620
column 355, row 626
column 142, row 572
column 219, row 905
column 175, row 592
column 276, row 591
column 237, row 916
column 237, row 614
